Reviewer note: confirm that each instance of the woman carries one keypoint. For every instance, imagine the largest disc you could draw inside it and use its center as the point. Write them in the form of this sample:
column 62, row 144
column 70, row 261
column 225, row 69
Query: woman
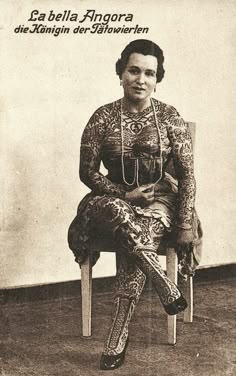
column 137, row 203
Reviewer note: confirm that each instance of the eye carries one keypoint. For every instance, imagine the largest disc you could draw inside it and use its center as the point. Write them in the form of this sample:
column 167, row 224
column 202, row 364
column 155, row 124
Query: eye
column 150, row 73
column 133, row 70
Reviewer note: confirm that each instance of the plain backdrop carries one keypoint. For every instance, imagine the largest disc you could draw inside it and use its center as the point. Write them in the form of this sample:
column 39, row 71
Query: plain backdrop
column 50, row 86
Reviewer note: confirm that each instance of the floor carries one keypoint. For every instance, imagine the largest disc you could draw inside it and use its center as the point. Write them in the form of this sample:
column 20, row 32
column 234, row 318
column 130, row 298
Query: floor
column 44, row 337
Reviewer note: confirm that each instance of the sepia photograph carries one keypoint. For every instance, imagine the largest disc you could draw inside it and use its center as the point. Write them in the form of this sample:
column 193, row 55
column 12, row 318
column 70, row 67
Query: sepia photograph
column 117, row 187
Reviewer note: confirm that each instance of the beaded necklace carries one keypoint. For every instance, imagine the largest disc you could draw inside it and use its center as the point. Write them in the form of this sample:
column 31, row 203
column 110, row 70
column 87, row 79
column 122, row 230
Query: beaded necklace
column 136, row 163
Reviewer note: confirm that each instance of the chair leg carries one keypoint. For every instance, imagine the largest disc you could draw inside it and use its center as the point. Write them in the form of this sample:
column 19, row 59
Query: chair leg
column 172, row 272
column 86, row 295
column 188, row 313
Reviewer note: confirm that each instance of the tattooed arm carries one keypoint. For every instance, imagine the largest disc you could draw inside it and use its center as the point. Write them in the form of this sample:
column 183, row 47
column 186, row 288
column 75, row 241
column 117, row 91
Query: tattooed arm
column 181, row 143
column 90, row 156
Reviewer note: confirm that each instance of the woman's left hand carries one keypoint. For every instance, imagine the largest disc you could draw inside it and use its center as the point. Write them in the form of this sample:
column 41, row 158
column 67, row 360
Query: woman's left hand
column 184, row 236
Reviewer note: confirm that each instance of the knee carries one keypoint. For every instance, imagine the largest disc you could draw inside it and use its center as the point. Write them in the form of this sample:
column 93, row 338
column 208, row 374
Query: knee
column 115, row 210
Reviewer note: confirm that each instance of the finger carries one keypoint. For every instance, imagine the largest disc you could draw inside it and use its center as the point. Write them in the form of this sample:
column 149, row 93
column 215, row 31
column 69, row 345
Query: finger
column 147, row 188
column 149, row 198
column 149, row 194
column 149, row 191
column 149, row 185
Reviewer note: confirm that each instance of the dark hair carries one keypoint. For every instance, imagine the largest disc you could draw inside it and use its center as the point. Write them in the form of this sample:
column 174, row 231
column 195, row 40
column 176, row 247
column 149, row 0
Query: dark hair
column 144, row 47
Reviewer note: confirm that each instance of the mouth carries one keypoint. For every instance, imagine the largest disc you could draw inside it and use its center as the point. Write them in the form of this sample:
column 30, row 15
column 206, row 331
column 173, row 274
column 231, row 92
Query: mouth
column 138, row 89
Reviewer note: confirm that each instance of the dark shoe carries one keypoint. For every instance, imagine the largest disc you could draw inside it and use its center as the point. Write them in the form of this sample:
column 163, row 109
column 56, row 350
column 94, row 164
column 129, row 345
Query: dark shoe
column 110, row 362
column 177, row 306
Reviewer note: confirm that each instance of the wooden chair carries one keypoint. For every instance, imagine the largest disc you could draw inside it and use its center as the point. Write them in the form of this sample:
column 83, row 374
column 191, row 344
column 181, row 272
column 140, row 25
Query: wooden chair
column 172, row 273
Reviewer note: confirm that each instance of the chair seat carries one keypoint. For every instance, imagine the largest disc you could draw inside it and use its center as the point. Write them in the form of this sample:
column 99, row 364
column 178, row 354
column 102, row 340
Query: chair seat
column 106, row 244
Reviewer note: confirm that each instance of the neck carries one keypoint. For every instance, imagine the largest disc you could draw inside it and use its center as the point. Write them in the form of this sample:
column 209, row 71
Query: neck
column 136, row 106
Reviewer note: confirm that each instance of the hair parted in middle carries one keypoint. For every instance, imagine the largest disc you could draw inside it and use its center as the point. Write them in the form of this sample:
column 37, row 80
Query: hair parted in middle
column 144, row 47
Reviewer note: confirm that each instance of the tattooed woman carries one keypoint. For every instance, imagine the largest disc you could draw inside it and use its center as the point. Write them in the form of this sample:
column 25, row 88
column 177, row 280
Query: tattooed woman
column 137, row 203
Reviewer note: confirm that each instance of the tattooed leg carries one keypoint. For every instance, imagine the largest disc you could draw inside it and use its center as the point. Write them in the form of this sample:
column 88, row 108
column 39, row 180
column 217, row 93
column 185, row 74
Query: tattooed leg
column 136, row 235
column 129, row 285
column 136, row 239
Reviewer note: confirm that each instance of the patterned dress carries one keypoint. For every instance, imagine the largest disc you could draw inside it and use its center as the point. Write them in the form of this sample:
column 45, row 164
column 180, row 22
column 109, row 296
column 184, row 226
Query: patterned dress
column 135, row 148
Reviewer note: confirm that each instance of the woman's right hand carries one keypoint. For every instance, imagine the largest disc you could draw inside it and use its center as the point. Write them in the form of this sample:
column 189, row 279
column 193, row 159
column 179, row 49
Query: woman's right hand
column 142, row 195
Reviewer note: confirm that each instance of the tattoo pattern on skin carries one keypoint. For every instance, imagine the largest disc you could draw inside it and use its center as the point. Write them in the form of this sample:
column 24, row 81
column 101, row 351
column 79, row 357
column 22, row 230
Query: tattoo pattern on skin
column 101, row 141
column 105, row 208
column 130, row 281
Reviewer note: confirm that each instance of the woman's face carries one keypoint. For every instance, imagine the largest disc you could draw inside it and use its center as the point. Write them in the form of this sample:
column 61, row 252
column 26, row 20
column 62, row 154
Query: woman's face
column 139, row 77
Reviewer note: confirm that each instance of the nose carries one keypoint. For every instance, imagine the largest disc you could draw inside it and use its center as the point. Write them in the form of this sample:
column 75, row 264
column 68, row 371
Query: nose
column 141, row 79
